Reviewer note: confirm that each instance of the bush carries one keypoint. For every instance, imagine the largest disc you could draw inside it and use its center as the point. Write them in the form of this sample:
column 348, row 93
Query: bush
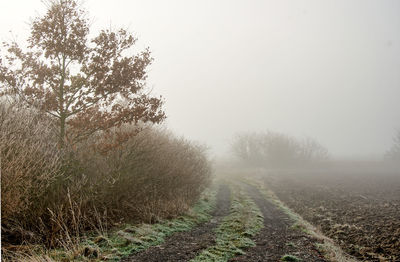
column 30, row 163
column 151, row 175
column 129, row 174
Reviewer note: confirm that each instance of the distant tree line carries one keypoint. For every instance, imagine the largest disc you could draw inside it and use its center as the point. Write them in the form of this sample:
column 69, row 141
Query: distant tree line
column 277, row 150
column 393, row 154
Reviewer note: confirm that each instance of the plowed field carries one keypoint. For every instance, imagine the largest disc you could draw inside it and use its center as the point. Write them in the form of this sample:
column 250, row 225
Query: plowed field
column 360, row 212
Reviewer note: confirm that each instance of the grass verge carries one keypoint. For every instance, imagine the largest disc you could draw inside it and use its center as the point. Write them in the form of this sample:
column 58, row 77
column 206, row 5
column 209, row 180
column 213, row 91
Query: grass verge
column 234, row 233
column 128, row 239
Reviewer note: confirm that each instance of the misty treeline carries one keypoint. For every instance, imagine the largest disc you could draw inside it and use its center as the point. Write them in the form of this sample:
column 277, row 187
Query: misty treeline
column 79, row 146
column 277, row 150
column 393, row 154
column 273, row 150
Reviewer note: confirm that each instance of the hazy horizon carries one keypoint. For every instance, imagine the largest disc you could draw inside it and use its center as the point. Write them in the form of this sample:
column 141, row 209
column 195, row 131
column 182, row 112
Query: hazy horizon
column 329, row 70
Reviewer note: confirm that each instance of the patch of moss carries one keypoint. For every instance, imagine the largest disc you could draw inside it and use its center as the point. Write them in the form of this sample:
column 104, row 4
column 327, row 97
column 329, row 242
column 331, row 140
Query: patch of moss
column 290, row 258
column 291, row 244
column 301, row 227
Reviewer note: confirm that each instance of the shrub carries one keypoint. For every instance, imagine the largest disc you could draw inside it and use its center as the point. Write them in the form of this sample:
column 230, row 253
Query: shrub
column 151, row 175
column 52, row 195
column 30, row 163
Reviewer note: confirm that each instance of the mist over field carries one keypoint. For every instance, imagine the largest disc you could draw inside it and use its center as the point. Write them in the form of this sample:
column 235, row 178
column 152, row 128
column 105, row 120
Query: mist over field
column 184, row 130
column 322, row 69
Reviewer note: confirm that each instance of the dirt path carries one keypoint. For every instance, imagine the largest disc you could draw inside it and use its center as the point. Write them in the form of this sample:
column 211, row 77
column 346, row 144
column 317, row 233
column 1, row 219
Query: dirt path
column 278, row 238
column 186, row 245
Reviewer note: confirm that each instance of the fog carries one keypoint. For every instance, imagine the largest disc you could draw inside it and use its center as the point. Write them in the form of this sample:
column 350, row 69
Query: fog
column 329, row 70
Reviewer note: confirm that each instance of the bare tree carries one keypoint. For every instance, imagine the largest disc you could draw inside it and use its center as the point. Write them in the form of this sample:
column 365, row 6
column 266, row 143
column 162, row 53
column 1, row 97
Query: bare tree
column 311, row 150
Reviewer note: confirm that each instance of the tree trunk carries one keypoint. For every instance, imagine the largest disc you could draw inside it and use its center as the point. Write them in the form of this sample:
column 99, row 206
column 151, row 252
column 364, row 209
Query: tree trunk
column 62, row 131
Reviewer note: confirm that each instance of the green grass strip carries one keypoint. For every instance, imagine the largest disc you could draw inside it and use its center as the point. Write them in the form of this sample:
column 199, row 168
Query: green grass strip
column 234, row 233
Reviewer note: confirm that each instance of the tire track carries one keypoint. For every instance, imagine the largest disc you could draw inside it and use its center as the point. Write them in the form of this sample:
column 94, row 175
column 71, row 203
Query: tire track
column 278, row 238
column 184, row 246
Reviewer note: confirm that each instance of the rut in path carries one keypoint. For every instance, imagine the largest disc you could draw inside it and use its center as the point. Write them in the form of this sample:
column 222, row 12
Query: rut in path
column 278, row 238
column 184, row 246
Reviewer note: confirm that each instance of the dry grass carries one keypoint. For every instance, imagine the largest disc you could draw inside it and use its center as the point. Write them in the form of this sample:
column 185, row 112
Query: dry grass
column 52, row 196
column 30, row 162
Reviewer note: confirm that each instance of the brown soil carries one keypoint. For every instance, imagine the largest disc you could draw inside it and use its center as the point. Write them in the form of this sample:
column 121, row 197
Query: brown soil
column 360, row 212
column 278, row 238
column 184, row 246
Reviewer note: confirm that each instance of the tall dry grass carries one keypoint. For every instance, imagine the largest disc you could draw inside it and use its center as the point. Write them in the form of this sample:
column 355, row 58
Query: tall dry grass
column 30, row 163
column 52, row 196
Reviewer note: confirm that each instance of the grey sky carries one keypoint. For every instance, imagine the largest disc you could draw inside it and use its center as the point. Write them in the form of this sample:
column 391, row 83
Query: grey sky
column 325, row 69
